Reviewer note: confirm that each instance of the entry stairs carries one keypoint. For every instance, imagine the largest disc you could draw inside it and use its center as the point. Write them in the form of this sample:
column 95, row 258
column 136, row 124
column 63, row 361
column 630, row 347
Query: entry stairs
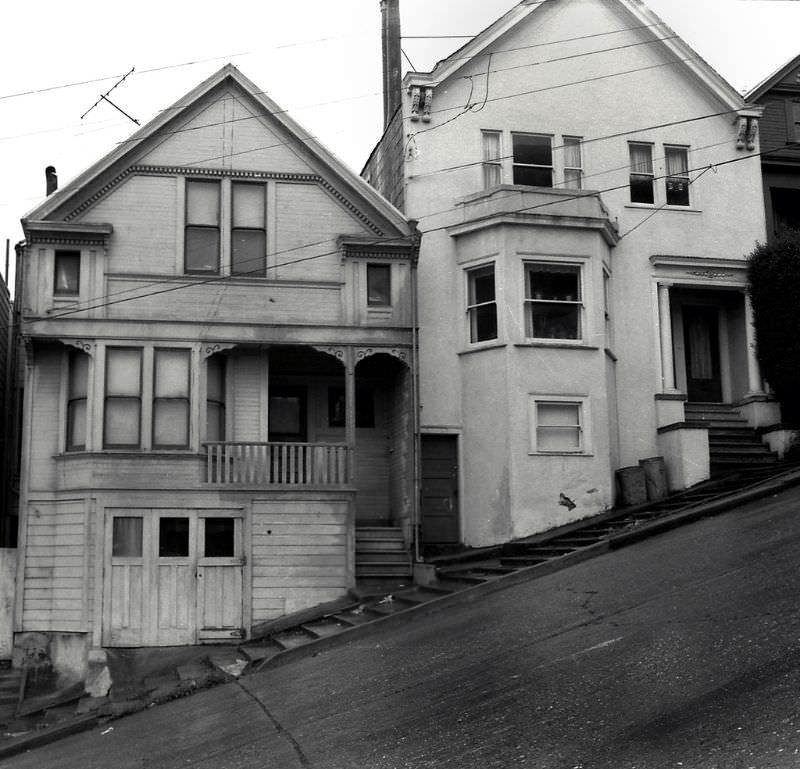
column 514, row 561
column 733, row 444
column 381, row 552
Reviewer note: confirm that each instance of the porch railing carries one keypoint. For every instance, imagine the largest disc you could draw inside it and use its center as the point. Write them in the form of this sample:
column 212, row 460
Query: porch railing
column 294, row 464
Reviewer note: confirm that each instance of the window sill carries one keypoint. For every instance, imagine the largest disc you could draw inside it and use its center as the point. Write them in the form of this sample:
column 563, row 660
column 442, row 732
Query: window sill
column 660, row 207
column 481, row 346
column 560, row 454
column 557, row 344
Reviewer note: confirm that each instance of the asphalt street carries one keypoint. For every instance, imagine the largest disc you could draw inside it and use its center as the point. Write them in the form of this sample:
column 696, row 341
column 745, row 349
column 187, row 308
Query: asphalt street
column 680, row 651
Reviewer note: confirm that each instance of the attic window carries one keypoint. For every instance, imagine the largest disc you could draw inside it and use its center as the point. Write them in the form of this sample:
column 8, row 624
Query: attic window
column 202, row 227
column 67, row 273
column 249, row 234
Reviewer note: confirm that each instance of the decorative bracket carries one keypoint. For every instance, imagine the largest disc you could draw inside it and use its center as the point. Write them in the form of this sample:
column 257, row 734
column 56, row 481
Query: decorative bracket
column 396, row 352
column 746, row 132
column 212, row 348
column 421, row 101
column 87, row 347
column 337, row 352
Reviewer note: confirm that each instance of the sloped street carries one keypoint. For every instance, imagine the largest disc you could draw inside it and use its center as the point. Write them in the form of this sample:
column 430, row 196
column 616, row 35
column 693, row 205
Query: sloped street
column 680, row 651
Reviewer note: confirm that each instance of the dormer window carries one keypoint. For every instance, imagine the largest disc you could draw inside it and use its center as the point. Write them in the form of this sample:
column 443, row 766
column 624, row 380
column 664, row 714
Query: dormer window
column 67, row 277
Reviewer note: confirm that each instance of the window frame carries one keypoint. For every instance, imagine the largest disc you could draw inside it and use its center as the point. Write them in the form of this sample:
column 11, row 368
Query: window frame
column 641, row 174
column 190, row 226
column 220, row 404
column 495, row 164
column 583, row 426
column 578, row 142
column 671, row 179
column 473, row 308
column 262, row 270
column 77, row 398
column 530, row 301
column 106, row 398
column 156, row 399
column 515, row 164
column 371, row 268
column 75, row 256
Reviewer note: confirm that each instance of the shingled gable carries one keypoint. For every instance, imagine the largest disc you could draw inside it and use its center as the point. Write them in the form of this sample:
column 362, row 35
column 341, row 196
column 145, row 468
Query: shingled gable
column 641, row 16
column 382, row 217
column 777, row 78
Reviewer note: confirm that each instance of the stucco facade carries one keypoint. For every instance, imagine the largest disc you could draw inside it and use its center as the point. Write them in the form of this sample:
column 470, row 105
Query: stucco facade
column 576, row 160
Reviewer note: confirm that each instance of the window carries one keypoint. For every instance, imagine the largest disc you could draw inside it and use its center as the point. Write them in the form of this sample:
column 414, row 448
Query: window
column 219, row 539
column 365, row 406
column 677, row 160
column 202, row 227
column 553, row 300
column 287, row 414
column 173, row 537
column 641, row 175
column 533, row 160
column 171, row 398
column 123, row 402
column 67, row 278
column 481, row 304
column 249, row 233
column 127, row 537
column 379, row 285
column 215, row 398
column 607, row 306
column 573, row 170
column 492, row 159
column 76, row 400
column 558, row 426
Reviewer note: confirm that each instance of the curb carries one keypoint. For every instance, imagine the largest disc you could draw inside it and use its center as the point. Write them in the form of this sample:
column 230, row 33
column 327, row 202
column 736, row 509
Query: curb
column 50, row 734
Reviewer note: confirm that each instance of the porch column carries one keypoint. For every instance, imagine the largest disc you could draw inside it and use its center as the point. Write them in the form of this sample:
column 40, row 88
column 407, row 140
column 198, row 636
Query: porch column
column 350, row 412
column 755, row 385
column 665, row 332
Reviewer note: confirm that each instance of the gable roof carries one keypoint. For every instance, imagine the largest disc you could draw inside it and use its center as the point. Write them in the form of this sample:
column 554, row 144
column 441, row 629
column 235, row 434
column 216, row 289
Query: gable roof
column 355, row 189
column 690, row 60
column 772, row 80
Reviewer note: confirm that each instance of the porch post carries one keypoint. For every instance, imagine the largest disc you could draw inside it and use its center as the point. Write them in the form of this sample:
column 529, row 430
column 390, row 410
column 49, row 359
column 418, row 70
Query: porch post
column 665, row 332
column 350, row 412
column 755, row 385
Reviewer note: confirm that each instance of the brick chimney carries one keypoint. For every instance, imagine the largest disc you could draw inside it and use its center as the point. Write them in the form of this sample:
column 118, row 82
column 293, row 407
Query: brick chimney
column 51, row 179
column 390, row 43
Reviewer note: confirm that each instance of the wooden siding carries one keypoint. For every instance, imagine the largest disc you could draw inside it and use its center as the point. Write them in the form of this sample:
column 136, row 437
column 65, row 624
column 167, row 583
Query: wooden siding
column 45, row 416
column 772, row 127
column 142, row 470
column 55, row 571
column 143, row 210
column 308, row 214
column 247, row 374
column 300, row 555
column 232, row 138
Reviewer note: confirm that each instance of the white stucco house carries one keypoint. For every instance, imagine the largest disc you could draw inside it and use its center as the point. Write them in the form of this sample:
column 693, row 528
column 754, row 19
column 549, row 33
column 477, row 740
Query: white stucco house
column 587, row 187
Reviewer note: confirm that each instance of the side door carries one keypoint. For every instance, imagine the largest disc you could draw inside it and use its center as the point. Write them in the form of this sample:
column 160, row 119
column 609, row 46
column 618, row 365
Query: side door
column 220, row 567
column 439, row 490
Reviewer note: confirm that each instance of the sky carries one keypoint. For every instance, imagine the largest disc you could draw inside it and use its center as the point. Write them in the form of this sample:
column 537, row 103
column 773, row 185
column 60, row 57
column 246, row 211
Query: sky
column 319, row 59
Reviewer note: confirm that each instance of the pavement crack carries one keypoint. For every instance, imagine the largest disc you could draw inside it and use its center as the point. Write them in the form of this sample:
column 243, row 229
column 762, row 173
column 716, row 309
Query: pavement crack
column 282, row 732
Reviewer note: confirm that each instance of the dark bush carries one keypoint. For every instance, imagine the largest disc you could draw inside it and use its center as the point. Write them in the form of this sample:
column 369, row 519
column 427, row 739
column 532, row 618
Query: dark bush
column 774, row 278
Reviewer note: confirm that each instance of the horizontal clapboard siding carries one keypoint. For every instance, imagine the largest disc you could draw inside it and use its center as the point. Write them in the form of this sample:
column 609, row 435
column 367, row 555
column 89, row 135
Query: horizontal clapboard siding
column 300, row 555
column 45, row 416
column 56, row 584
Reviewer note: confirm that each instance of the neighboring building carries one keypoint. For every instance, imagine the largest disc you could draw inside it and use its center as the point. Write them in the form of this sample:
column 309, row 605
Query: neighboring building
column 218, row 318
column 779, row 96
column 587, row 188
column 9, row 409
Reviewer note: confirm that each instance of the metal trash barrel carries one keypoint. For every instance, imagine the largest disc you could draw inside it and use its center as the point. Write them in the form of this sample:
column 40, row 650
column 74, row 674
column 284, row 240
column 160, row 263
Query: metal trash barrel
column 632, row 485
column 655, row 473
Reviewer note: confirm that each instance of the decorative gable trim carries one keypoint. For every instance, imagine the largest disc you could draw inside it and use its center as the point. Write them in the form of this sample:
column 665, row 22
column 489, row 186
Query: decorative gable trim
column 145, row 170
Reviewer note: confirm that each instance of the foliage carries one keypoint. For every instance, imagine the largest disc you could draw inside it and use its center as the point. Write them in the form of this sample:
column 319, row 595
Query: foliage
column 774, row 287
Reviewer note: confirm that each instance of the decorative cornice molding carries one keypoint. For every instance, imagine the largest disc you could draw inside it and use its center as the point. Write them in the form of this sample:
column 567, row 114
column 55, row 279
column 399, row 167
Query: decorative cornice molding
column 55, row 240
column 145, row 170
column 209, row 349
column 711, row 274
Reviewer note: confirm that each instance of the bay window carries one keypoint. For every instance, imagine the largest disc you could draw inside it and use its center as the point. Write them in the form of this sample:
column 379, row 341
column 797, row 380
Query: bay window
column 481, row 304
column 553, row 301
column 215, row 398
column 77, row 391
column 171, row 398
column 123, row 401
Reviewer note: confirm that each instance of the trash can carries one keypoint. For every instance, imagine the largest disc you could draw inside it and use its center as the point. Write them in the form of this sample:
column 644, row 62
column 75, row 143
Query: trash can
column 632, row 486
column 655, row 475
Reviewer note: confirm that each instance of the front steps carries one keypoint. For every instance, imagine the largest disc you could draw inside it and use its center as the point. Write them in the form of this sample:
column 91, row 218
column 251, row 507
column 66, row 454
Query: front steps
column 733, row 444
column 381, row 552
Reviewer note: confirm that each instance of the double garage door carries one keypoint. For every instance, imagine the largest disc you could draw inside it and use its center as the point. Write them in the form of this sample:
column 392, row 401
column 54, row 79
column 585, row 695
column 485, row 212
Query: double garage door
column 172, row 577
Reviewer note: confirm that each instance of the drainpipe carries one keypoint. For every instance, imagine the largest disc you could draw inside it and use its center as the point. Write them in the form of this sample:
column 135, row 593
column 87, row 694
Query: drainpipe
column 415, row 511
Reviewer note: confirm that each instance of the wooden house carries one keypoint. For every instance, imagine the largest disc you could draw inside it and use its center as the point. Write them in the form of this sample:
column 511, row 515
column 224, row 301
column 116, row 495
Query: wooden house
column 218, row 320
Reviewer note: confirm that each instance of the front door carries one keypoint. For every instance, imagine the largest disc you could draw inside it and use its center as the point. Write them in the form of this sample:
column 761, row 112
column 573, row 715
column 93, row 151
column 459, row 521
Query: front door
column 173, row 577
column 439, row 490
column 701, row 339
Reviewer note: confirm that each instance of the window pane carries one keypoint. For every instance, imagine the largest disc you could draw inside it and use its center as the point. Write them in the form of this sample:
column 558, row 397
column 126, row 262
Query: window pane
column 249, row 205
column 558, row 426
column 122, row 422
column 171, row 423
column 78, row 374
column 202, row 249
column 481, row 285
column 249, row 254
column 491, row 145
column 76, row 424
column 555, row 282
column 202, row 203
column 535, row 150
column 563, row 414
column 572, row 153
column 173, row 537
column 67, row 273
column 483, row 323
column 378, row 285
column 123, row 371
column 558, row 439
column 127, row 537
column 219, row 538
column 641, row 158
column 172, row 373
column 555, row 321
column 641, row 189
column 677, row 161
column 491, row 175
column 534, row 177
column 677, row 192
column 572, row 178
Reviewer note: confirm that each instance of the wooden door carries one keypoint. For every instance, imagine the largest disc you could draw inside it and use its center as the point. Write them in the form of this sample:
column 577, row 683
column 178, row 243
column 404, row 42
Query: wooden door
column 174, row 588
column 220, row 565
column 439, row 490
column 701, row 339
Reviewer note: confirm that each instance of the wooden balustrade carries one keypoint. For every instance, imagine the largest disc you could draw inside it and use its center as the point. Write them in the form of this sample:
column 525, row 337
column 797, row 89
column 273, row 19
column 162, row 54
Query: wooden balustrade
column 293, row 464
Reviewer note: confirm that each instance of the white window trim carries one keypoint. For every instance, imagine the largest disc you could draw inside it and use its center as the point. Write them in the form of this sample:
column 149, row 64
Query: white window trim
column 651, row 174
column 687, row 149
column 583, row 314
column 467, row 269
column 499, row 162
column 565, row 167
column 585, row 427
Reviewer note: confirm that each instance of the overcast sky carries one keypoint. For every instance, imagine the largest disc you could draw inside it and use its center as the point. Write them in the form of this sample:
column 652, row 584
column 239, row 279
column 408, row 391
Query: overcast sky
column 319, row 59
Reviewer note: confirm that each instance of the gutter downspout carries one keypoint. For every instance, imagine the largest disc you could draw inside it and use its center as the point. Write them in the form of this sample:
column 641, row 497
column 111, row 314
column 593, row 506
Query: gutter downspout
column 416, row 237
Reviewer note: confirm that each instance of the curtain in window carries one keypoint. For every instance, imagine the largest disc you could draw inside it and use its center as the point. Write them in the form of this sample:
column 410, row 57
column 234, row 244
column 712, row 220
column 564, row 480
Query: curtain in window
column 572, row 153
column 677, row 162
column 641, row 158
column 491, row 159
